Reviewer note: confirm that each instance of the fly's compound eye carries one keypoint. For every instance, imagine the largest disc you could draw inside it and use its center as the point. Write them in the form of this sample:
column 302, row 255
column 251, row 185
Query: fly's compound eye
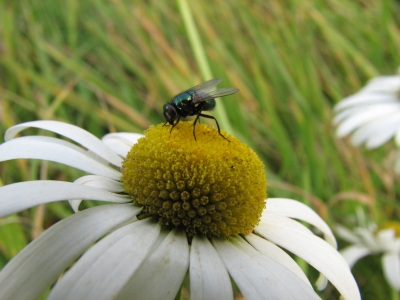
column 170, row 113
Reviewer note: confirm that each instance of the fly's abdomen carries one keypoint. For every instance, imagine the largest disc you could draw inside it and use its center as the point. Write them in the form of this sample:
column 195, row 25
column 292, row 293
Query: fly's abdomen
column 208, row 104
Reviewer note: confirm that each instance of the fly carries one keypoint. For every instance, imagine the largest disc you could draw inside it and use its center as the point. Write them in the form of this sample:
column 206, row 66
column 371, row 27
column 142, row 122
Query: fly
column 194, row 101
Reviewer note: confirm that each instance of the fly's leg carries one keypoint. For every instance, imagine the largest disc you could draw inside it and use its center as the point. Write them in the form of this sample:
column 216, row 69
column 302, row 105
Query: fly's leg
column 173, row 125
column 194, row 125
column 209, row 117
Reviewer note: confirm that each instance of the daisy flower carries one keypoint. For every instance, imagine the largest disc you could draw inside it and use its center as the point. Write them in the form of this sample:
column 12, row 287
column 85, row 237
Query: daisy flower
column 373, row 114
column 178, row 206
column 372, row 240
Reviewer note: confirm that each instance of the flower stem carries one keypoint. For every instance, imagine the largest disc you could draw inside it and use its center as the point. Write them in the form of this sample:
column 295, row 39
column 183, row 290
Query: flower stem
column 201, row 58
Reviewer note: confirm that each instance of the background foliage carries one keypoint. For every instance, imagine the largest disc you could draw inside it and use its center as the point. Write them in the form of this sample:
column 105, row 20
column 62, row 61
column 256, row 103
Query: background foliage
column 111, row 65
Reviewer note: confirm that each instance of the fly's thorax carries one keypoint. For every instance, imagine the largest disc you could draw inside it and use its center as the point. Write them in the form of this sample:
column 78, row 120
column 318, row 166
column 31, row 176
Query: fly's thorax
column 182, row 100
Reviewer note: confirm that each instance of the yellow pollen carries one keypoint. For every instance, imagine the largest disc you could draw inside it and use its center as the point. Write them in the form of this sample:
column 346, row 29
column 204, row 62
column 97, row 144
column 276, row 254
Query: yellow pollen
column 208, row 186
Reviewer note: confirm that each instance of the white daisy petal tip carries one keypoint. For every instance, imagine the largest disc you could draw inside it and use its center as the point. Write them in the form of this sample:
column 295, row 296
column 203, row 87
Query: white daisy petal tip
column 75, row 204
column 298, row 239
column 321, row 282
column 391, row 269
column 73, row 132
column 297, row 210
column 371, row 116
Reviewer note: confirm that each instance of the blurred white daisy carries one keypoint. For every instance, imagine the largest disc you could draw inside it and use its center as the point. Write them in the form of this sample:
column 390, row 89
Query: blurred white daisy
column 371, row 240
column 179, row 206
column 373, row 114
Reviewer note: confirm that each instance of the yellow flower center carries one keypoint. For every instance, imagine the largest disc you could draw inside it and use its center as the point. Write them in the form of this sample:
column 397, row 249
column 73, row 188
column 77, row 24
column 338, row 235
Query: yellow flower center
column 207, row 186
column 391, row 225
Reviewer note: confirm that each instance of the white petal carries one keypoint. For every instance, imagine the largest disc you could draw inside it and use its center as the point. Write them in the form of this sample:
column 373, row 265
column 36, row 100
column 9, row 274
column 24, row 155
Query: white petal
column 368, row 239
column 160, row 276
column 103, row 270
column 381, row 89
column 99, row 182
column 276, row 253
column 347, row 113
column 291, row 235
column 321, row 282
column 377, row 132
column 354, row 253
column 52, row 149
column 75, row 204
column 75, row 133
column 391, row 269
column 367, row 115
column 209, row 278
column 271, row 250
column 19, row 196
column 258, row 276
column 386, row 238
column 38, row 265
column 297, row 210
column 362, row 100
column 361, row 135
column 347, row 235
column 379, row 139
column 397, row 137
column 385, row 84
column 121, row 142
column 130, row 137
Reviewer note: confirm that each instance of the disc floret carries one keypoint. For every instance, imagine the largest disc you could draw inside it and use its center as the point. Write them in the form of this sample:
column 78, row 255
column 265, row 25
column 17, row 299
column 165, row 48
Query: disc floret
column 207, row 186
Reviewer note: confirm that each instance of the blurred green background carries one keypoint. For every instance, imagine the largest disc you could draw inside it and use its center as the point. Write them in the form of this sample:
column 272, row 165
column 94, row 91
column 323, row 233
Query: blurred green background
column 111, row 65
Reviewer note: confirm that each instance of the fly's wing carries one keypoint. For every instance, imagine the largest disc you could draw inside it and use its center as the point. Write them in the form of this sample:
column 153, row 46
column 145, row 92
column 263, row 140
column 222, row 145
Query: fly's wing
column 202, row 88
column 206, row 86
column 201, row 97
